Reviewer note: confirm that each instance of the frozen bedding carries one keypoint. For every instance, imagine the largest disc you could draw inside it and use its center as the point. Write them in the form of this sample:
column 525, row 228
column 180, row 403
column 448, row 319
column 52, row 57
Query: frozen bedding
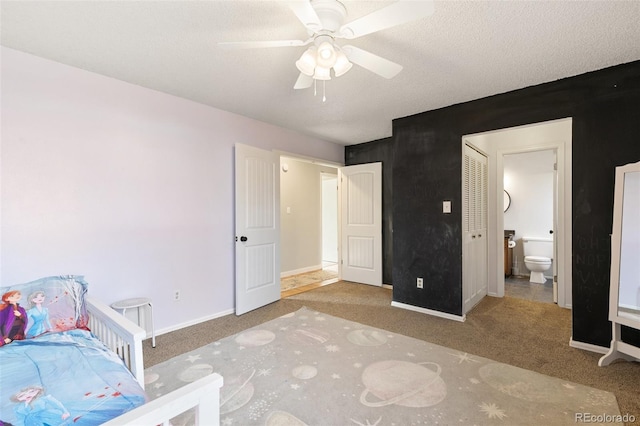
column 53, row 370
column 68, row 377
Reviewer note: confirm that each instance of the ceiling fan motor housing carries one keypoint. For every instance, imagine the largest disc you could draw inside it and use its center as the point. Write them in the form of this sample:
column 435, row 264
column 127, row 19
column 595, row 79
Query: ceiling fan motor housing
column 331, row 13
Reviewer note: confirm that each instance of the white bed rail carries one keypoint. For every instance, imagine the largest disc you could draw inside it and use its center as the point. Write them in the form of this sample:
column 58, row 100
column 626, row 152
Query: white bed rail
column 125, row 339
column 203, row 395
column 119, row 334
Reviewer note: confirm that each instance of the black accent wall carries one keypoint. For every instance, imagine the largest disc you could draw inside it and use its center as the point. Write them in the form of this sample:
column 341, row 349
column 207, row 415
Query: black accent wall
column 424, row 157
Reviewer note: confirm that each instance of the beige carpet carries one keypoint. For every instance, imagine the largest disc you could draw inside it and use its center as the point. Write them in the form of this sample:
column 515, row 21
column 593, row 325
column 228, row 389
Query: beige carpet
column 526, row 334
column 301, row 280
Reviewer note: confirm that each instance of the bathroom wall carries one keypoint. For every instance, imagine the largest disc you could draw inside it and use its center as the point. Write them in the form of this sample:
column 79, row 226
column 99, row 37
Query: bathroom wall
column 529, row 180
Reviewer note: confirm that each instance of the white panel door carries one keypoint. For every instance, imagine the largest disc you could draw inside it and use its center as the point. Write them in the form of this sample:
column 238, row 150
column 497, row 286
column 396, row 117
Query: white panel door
column 257, row 186
column 474, row 228
column 360, row 190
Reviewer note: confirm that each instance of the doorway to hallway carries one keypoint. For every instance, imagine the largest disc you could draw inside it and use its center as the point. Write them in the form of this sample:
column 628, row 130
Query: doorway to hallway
column 309, row 224
column 331, row 220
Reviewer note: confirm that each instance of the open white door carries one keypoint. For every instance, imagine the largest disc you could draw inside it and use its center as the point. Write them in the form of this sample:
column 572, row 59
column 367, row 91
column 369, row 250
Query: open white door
column 257, row 187
column 360, row 189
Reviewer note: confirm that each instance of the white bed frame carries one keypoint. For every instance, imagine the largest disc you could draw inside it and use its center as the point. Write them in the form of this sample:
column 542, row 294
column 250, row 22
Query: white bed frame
column 125, row 339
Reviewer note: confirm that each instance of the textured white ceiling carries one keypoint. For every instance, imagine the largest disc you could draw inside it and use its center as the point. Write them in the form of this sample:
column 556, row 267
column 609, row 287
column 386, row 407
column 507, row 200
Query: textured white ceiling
column 464, row 51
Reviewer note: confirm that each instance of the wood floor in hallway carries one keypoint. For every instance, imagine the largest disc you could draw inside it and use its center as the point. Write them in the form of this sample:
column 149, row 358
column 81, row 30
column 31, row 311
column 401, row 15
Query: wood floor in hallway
column 300, row 283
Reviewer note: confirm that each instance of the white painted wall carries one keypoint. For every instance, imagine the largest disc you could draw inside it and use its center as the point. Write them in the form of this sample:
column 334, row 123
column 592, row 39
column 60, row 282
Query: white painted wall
column 301, row 216
column 330, row 217
column 529, row 179
column 130, row 187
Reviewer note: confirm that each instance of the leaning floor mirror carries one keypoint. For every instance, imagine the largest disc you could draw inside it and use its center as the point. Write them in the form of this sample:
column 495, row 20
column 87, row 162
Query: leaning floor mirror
column 624, row 298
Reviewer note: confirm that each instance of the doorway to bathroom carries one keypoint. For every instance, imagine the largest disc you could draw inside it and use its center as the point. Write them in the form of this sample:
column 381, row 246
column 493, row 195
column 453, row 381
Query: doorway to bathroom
column 529, row 180
column 555, row 136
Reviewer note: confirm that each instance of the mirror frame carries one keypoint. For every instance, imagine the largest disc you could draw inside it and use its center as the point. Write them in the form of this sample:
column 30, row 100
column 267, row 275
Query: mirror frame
column 619, row 348
column 630, row 320
column 507, row 200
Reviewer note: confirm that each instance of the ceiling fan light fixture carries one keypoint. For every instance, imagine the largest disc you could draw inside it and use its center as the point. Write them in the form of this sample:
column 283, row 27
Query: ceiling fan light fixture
column 322, row 73
column 325, row 22
column 307, row 62
column 342, row 64
column 326, row 50
column 326, row 55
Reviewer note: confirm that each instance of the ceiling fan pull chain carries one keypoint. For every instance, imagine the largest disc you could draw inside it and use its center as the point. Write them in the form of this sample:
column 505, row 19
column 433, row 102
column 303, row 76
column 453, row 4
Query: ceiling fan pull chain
column 324, row 98
column 315, row 87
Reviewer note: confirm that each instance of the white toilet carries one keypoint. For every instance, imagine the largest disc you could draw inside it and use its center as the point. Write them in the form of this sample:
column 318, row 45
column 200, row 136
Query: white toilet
column 538, row 253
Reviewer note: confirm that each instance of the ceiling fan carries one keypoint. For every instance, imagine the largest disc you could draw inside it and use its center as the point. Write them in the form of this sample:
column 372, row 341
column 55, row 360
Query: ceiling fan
column 324, row 21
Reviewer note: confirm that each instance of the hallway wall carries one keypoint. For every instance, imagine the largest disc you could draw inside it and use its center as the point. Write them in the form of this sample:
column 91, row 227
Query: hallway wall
column 301, row 216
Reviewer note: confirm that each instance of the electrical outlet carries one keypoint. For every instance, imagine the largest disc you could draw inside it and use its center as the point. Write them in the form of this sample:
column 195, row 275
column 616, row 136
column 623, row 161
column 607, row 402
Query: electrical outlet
column 176, row 295
column 419, row 282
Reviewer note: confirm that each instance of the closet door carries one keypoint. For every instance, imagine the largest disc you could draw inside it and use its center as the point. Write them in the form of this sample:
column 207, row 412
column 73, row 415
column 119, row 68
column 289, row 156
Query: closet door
column 474, row 228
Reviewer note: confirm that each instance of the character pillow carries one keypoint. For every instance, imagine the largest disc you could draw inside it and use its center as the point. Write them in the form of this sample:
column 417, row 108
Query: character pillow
column 46, row 305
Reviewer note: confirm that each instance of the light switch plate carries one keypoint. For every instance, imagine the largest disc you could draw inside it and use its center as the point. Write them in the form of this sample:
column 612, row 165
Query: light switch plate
column 446, row 207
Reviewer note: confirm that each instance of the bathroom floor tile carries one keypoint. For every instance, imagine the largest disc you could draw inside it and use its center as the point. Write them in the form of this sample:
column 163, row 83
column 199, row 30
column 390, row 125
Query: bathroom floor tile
column 521, row 288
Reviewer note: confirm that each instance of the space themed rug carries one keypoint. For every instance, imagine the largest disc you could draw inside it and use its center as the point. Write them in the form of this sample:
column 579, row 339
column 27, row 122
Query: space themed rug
column 310, row 368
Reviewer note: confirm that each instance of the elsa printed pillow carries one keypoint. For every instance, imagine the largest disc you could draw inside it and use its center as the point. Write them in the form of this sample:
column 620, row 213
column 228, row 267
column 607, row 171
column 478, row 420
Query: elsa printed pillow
column 46, row 305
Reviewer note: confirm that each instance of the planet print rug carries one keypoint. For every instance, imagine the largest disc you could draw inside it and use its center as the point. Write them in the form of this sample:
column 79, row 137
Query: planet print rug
column 310, row 368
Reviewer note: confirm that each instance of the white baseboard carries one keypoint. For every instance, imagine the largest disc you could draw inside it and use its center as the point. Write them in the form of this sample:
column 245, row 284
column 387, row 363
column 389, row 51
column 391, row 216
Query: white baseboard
column 588, row 347
column 429, row 312
column 286, row 274
column 193, row 322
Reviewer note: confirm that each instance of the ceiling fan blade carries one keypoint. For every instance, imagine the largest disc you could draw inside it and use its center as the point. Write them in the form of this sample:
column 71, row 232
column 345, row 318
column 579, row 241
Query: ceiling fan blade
column 306, row 14
column 304, row 81
column 398, row 13
column 262, row 44
column 374, row 63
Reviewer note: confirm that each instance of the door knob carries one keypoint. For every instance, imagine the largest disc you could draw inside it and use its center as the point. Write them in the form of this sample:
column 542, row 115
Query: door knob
column 243, row 238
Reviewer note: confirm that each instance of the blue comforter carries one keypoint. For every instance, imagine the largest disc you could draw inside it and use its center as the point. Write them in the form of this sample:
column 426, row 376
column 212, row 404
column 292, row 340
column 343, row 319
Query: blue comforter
column 64, row 378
